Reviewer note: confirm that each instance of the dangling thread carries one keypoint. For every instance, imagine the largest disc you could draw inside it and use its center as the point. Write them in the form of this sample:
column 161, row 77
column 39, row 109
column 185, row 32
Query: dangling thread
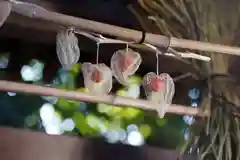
column 98, row 44
column 157, row 53
column 127, row 47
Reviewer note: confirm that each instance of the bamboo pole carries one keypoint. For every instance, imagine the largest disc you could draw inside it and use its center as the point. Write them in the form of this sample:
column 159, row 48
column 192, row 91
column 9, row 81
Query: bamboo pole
column 108, row 99
column 5, row 9
column 39, row 13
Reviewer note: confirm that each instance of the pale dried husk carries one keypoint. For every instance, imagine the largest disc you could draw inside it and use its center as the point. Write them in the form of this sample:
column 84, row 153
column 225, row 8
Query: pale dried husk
column 123, row 77
column 102, row 88
column 162, row 98
column 67, row 49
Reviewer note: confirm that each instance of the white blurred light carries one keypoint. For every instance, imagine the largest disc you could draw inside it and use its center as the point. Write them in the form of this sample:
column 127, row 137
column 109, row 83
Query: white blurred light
column 50, row 120
column 56, row 120
column 112, row 136
column 32, row 72
column 47, row 112
column 11, row 93
column 194, row 104
column 186, row 134
column 122, row 135
column 194, row 93
column 133, row 91
column 135, row 138
column 27, row 73
column 132, row 127
column 198, row 150
column 53, row 126
column 68, row 124
column 188, row 120
column 190, row 150
column 53, row 130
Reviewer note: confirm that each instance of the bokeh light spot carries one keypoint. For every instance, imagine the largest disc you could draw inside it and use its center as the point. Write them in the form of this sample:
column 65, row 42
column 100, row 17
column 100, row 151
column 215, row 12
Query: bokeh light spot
column 194, row 93
column 188, row 120
column 27, row 73
column 67, row 124
column 47, row 112
column 131, row 128
column 11, row 93
column 145, row 130
column 135, row 138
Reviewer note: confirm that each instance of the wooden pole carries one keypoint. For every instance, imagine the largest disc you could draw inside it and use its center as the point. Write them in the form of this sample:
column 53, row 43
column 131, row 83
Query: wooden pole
column 23, row 144
column 108, row 99
column 39, row 13
column 5, row 9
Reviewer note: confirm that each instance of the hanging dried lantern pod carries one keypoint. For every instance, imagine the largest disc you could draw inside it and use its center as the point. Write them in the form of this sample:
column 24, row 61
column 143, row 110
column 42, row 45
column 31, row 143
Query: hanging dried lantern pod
column 67, row 48
column 125, row 63
column 97, row 78
column 160, row 90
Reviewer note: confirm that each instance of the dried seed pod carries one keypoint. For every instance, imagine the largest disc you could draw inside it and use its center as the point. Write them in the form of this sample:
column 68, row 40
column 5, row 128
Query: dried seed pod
column 67, row 49
column 159, row 89
column 97, row 78
column 125, row 63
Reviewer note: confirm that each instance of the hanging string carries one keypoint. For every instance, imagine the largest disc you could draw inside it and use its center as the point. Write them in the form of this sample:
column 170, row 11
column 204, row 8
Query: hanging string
column 157, row 65
column 127, row 47
column 98, row 44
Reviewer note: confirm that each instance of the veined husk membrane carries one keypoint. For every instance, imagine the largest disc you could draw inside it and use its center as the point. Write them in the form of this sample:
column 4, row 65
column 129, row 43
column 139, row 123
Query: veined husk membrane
column 160, row 90
column 97, row 78
column 125, row 63
column 68, row 53
column 212, row 21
